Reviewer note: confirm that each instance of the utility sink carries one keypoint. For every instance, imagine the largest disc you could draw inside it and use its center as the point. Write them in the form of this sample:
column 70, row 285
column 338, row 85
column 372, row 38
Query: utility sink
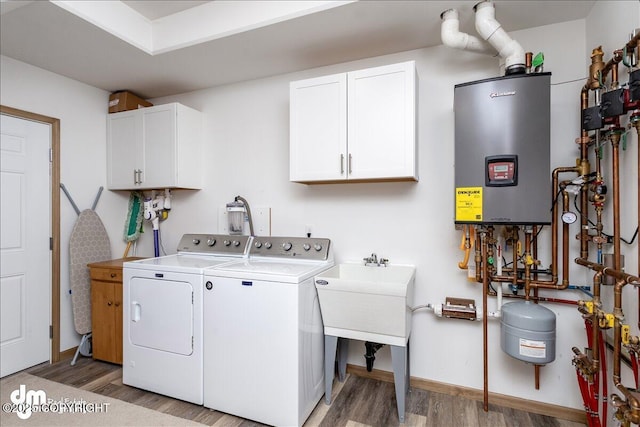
column 367, row 303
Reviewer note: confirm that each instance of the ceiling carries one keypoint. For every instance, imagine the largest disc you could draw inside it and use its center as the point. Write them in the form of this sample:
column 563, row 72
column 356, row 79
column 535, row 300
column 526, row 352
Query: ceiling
column 48, row 36
column 154, row 9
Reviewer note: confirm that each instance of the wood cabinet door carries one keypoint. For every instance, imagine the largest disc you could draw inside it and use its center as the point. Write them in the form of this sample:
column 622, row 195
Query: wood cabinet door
column 102, row 321
column 117, row 322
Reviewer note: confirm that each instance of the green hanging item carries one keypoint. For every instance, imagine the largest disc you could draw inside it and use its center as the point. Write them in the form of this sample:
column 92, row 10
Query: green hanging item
column 133, row 223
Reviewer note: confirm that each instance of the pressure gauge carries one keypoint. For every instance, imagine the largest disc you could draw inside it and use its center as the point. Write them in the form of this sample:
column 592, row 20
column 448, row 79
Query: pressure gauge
column 569, row 217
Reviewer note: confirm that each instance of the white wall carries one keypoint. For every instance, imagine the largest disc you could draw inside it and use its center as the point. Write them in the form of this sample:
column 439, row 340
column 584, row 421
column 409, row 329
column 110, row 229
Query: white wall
column 81, row 110
column 246, row 129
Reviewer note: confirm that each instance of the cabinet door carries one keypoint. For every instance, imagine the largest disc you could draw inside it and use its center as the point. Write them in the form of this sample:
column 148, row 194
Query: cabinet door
column 381, row 117
column 124, row 150
column 102, row 322
column 318, row 125
column 117, row 321
column 159, row 146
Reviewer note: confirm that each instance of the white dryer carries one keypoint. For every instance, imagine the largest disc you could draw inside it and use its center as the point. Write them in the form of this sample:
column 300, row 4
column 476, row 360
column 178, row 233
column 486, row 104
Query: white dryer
column 162, row 316
column 263, row 332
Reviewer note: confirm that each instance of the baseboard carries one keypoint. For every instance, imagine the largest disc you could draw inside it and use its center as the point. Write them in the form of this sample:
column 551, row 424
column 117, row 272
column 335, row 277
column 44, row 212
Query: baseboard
column 68, row 353
column 548, row 409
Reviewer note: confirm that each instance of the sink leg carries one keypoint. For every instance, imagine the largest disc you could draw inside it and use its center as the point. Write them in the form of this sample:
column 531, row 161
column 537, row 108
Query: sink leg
column 343, row 351
column 330, row 344
column 399, row 359
column 408, row 367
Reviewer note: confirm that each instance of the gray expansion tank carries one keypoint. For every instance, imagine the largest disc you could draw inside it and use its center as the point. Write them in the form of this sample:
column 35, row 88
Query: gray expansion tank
column 528, row 332
column 502, row 171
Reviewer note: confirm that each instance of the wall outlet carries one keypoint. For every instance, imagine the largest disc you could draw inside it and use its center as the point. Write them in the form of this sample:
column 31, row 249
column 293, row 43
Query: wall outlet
column 261, row 221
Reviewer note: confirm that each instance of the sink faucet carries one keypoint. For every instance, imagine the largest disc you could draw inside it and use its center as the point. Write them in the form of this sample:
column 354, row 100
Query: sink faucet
column 373, row 261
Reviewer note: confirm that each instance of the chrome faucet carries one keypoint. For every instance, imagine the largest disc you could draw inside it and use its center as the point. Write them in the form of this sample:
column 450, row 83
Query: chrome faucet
column 373, row 261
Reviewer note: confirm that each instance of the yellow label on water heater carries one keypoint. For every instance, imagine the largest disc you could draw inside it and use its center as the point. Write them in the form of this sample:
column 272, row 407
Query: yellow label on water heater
column 469, row 204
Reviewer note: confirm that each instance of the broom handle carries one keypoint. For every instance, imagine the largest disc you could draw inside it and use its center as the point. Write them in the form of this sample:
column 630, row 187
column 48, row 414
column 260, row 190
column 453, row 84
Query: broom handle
column 126, row 251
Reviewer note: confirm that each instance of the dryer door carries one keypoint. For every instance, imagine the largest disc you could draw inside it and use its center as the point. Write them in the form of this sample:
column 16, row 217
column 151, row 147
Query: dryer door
column 161, row 314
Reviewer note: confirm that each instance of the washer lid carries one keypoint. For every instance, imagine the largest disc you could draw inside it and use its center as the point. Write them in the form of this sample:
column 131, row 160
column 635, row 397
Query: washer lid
column 270, row 269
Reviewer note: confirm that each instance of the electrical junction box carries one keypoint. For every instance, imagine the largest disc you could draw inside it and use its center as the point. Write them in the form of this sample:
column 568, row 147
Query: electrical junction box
column 502, row 150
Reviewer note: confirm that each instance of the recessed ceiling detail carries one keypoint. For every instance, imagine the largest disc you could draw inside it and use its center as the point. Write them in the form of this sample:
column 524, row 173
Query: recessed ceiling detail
column 203, row 21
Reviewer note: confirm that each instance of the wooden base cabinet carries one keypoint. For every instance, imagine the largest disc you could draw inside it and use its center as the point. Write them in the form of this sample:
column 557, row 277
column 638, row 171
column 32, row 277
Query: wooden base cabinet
column 106, row 309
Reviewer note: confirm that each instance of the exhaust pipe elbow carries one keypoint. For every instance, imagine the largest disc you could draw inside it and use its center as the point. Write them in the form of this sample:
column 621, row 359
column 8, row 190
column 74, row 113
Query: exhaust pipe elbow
column 491, row 31
column 452, row 37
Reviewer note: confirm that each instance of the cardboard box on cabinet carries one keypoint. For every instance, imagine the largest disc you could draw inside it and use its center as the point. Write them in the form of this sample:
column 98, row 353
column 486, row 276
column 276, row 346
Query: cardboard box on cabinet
column 125, row 100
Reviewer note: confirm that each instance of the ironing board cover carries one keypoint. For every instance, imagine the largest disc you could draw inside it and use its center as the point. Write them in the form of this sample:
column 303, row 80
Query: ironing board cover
column 89, row 243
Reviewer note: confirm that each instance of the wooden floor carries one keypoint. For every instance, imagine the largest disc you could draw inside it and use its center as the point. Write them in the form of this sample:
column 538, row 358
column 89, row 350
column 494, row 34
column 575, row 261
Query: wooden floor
column 361, row 401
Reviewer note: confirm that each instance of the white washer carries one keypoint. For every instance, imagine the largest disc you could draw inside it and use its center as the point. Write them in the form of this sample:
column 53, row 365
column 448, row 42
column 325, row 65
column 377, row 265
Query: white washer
column 162, row 315
column 263, row 332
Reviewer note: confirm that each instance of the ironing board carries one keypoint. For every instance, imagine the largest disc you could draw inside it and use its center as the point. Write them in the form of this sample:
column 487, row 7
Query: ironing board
column 88, row 243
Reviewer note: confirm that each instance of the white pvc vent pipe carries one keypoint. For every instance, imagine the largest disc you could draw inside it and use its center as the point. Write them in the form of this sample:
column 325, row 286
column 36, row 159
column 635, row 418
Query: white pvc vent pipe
column 452, row 37
column 494, row 39
column 491, row 30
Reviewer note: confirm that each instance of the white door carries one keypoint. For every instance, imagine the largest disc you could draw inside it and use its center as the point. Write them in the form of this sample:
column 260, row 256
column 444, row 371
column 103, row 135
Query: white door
column 161, row 314
column 25, row 255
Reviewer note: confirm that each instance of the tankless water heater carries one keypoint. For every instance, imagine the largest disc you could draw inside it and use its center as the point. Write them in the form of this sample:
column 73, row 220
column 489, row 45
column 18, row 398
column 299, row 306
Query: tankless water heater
column 502, row 172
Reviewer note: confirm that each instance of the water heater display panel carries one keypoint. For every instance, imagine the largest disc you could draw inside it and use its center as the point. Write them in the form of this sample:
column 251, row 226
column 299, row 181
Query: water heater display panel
column 501, row 171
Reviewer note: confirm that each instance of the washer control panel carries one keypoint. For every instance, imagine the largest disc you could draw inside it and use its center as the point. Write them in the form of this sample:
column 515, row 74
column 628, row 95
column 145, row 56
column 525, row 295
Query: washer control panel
column 291, row 247
column 212, row 244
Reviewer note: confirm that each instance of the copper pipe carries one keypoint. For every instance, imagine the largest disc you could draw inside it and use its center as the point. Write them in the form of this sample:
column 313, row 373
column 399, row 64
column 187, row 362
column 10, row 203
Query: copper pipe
column 515, row 238
column 535, row 256
column 553, row 284
column 612, row 65
column 608, row 271
column 637, row 126
column 485, row 350
column 537, row 299
column 527, row 264
column 595, row 350
column 583, row 168
column 615, row 159
column 632, row 401
column 634, row 43
column 478, row 257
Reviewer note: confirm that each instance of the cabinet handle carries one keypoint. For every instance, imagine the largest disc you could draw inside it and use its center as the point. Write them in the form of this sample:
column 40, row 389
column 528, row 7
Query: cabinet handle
column 113, row 275
column 350, row 171
column 135, row 176
column 341, row 164
column 139, row 176
column 109, row 303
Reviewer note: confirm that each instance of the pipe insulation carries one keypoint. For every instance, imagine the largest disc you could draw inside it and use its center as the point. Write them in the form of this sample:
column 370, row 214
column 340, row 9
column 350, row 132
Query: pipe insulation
column 491, row 31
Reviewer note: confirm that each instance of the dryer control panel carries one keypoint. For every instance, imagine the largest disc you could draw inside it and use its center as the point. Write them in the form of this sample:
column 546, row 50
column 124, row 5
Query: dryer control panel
column 214, row 244
column 291, row 247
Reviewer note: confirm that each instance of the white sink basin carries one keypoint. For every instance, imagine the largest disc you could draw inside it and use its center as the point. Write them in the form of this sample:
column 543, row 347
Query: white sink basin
column 367, row 303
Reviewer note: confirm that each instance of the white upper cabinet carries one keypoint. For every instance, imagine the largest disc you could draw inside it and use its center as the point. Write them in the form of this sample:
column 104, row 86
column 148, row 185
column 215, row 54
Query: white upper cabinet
column 154, row 148
column 358, row 126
